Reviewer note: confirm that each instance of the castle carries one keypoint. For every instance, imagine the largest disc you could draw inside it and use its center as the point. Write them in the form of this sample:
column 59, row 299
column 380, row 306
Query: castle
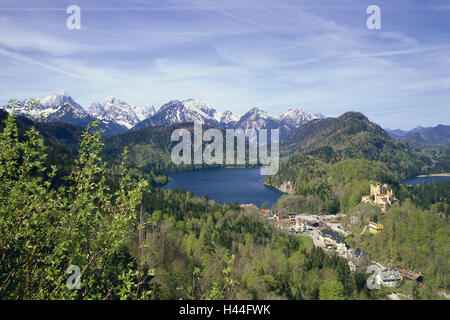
column 380, row 195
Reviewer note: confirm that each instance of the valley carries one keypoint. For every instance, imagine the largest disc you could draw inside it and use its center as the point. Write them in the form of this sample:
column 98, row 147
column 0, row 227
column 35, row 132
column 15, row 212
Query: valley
column 234, row 236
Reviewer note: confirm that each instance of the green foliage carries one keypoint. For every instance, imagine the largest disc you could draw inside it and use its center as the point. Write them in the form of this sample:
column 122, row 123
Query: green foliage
column 61, row 142
column 44, row 230
column 331, row 290
column 328, row 188
column 433, row 195
column 413, row 239
column 192, row 241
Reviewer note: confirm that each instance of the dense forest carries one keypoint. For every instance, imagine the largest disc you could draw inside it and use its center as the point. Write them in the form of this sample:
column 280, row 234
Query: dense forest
column 412, row 239
column 321, row 187
column 150, row 151
column 202, row 250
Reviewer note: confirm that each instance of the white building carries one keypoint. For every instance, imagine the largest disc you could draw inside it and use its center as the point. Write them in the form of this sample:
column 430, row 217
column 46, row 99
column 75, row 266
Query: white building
column 389, row 278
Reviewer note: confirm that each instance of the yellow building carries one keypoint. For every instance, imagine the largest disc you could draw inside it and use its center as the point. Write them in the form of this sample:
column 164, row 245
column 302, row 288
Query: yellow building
column 375, row 227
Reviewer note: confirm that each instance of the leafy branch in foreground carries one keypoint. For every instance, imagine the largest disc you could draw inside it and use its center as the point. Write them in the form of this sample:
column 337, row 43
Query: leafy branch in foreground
column 44, row 230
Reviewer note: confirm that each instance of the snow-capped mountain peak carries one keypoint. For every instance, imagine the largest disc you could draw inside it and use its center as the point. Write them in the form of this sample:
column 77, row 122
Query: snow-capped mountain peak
column 258, row 119
column 55, row 98
column 229, row 117
column 58, row 106
column 292, row 113
column 190, row 110
column 297, row 117
column 145, row 111
column 200, row 107
column 256, row 113
column 114, row 110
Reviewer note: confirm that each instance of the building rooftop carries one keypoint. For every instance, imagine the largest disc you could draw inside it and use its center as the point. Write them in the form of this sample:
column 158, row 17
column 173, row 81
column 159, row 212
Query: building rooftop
column 333, row 235
column 390, row 275
column 358, row 252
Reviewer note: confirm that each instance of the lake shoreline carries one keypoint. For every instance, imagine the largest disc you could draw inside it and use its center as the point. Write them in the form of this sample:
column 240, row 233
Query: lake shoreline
column 276, row 188
column 434, row 175
column 426, row 178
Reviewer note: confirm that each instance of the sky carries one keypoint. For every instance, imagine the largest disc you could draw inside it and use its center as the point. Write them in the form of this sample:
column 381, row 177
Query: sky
column 316, row 55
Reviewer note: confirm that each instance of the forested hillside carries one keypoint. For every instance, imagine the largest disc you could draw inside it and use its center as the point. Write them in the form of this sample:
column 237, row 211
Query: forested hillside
column 329, row 163
column 353, row 136
column 321, row 187
column 413, row 239
column 438, row 136
column 201, row 250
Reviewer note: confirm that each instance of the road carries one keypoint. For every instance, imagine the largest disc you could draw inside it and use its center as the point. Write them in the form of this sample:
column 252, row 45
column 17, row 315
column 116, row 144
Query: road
column 335, row 226
column 314, row 235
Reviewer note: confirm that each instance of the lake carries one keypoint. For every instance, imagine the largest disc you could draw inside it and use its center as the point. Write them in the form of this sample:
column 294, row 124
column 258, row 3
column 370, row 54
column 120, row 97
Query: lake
column 241, row 185
column 418, row 180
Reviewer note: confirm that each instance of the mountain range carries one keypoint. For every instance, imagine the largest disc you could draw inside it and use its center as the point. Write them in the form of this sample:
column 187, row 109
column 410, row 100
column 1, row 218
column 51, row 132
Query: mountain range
column 114, row 115
column 117, row 116
column 420, row 137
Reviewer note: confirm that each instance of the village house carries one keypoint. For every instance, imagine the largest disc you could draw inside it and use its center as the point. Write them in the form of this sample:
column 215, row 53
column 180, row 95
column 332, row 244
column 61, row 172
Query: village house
column 332, row 241
column 300, row 225
column 359, row 259
column 380, row 195
column 282, row 220
column 351, row 266
column 375, row 228
column 389, row 278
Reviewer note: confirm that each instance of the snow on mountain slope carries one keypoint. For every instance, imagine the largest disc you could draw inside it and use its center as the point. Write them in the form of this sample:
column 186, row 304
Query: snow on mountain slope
column 188, row 111
column 295, row 117
column 185, row 111
column 145, row 111
column 24, row 108
column 60, row 107
column 117, row 116
column 115, row 110
column 257, row 119
column 228, row 118
column 56, row 107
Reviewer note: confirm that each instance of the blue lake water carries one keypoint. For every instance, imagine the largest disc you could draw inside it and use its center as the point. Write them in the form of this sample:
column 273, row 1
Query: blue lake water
column 418, row 180
column 243, row 185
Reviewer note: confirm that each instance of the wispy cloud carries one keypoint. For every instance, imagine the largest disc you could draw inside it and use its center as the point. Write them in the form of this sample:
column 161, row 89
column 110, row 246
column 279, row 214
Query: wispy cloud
column 23, row 58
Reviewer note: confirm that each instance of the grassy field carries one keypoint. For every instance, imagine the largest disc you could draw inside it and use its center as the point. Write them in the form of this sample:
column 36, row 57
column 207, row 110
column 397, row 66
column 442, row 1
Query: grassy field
column 307, row 242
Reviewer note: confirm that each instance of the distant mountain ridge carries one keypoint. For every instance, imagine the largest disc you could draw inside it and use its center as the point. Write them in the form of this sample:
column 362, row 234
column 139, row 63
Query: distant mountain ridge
column 419, row 137
column 116, row 116
column 353, row 136
column 395, row 133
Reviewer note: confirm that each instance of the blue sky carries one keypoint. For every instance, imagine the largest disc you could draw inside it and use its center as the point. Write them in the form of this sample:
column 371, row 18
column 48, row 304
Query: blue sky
column 317, row 55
